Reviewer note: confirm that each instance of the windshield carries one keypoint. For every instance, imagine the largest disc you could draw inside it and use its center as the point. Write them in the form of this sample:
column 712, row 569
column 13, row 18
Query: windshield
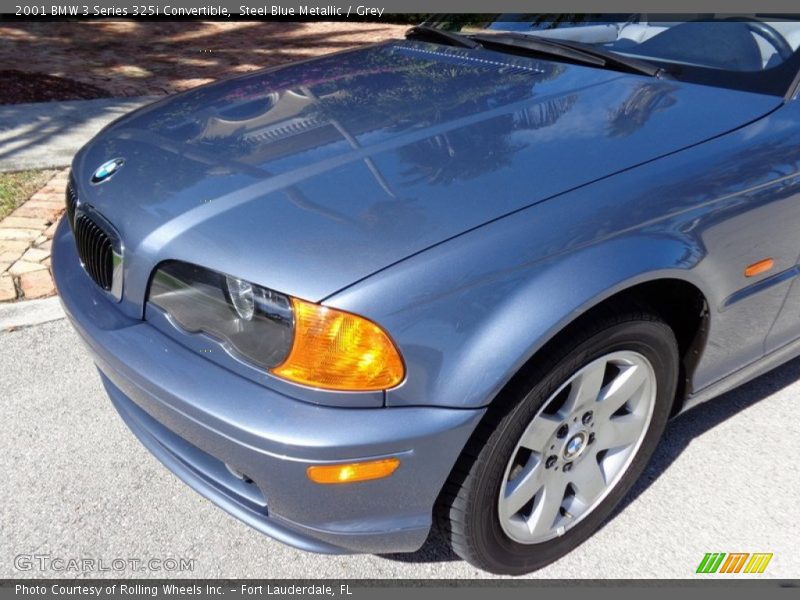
column 753, row 52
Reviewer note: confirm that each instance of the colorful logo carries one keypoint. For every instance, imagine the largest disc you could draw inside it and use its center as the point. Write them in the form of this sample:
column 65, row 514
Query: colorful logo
column 105, row 171
column 735, row 562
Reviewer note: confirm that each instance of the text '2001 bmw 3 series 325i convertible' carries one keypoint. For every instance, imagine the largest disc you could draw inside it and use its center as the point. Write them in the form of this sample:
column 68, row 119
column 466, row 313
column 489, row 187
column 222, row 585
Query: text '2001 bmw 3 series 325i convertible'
column 460, row 280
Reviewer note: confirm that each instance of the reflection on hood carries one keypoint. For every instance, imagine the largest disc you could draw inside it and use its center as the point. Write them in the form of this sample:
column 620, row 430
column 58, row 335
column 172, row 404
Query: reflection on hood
column 345, row 164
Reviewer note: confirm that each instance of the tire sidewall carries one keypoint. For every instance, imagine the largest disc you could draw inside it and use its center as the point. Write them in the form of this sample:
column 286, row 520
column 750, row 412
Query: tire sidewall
column 653, row 340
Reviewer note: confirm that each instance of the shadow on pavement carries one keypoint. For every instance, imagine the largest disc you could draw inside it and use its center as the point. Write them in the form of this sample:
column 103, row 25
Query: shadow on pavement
column 48, row 134
column 679, row 434
column 135, row 58
column 705, row 417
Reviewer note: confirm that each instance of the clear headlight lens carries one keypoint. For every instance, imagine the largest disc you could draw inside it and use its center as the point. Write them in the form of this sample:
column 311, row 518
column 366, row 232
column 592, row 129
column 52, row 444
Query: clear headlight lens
column 243, row 297
column 254, row 322
column 296, row 340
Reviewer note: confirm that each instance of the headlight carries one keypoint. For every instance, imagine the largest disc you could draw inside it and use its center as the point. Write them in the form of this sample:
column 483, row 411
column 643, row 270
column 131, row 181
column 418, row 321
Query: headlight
column 293, row 339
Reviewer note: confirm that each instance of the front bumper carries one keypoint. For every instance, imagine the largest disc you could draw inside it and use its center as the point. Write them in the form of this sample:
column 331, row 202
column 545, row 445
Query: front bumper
column 197, row 417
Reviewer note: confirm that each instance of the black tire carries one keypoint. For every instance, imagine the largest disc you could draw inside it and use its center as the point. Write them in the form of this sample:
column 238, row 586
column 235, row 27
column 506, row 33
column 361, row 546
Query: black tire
column 467, row 512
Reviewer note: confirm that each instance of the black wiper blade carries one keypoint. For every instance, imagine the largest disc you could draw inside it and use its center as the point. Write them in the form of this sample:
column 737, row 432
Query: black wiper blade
column 634, row 65
column 423, row 32
column 530, row 44
column 582, row 53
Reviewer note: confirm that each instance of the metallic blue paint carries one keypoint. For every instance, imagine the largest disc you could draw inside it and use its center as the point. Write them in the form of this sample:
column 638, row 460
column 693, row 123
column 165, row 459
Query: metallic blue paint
column 473, row 204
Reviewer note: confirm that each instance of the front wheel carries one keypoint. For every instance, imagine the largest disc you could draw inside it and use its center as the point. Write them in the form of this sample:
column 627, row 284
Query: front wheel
column 562, row 447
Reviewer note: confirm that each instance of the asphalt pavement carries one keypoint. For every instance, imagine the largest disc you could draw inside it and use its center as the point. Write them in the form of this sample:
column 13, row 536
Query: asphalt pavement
column 77, row 484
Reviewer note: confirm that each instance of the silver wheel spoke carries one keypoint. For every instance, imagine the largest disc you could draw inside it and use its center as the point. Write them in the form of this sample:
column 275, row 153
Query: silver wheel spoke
column 539, row 432
column 622, row 389
column 546, row 510
column 520, row 491
column 585, row 387
column 620, row 432
column 589, row 481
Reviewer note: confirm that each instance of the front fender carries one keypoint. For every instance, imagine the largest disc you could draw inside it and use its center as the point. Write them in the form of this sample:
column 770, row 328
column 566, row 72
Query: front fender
column 465, row 326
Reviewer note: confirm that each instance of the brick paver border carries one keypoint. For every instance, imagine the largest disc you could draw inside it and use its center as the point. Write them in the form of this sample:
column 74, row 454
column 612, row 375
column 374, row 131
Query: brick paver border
column 25, row 239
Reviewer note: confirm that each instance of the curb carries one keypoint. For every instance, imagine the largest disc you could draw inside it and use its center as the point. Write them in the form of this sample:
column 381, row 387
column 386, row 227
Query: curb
column 29, row 313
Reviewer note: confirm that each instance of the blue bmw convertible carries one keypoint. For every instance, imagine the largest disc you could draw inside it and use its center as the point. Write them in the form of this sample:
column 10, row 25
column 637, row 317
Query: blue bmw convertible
column 461, row 280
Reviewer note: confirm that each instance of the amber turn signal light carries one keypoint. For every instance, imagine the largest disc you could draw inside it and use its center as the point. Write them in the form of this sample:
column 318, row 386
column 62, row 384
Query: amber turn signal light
column 335, row 350
column 761, row 266
column 352, row 472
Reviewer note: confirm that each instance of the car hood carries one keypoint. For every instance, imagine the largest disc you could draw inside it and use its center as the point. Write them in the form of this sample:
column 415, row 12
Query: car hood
column 310, row 177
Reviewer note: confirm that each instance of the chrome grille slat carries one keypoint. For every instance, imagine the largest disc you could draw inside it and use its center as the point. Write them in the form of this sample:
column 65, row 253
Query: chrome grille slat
column 87, row 241
column 101, row 260
column 96, row 253
column 71, row 201
column 95, row 250
column 94, row 245
column 106, row 258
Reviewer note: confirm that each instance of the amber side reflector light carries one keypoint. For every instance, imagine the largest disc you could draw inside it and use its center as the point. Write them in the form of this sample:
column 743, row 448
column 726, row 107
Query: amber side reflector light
column 761, row 266
column 336, row 350
column 352, row 472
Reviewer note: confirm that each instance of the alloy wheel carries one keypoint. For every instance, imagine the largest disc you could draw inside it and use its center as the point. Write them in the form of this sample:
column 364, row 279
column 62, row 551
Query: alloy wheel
column 577, row 447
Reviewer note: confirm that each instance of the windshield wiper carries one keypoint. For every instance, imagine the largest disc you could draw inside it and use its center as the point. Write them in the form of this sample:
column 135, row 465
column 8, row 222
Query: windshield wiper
column 576, row 51
column 423, row 32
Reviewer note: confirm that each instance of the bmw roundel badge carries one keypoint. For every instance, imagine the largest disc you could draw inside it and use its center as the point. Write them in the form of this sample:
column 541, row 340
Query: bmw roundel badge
column 105, row 171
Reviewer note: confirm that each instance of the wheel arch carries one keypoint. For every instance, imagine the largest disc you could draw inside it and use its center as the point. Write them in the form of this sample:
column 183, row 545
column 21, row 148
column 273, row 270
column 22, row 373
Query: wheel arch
column 562, row 294
column 679, row 302
column 476, row 315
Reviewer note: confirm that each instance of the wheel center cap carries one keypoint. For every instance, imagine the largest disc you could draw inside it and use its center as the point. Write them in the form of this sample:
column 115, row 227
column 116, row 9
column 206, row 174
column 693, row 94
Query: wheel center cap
column 575, row 445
